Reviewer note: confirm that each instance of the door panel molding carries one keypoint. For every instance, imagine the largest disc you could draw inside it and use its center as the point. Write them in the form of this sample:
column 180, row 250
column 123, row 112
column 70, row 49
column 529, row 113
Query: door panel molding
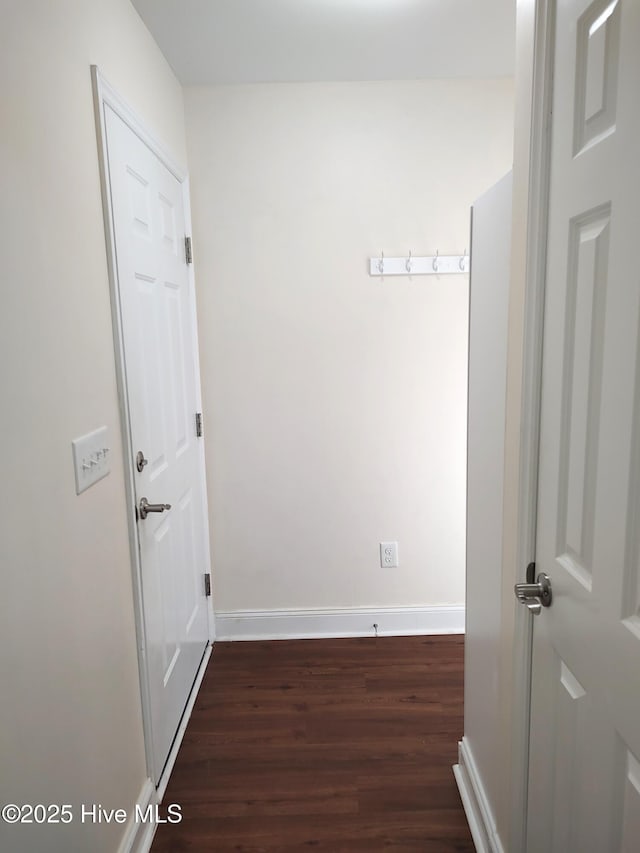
column 106, row 96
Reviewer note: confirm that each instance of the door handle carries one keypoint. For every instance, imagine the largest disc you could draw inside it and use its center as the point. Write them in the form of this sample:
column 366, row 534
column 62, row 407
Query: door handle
column 141, row 461
column 535, row 596
column 145, row 507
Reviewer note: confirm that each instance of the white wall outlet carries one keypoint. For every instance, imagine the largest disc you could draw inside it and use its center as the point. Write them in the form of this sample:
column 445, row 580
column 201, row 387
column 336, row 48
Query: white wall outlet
column 91, row 458
column 388, row 554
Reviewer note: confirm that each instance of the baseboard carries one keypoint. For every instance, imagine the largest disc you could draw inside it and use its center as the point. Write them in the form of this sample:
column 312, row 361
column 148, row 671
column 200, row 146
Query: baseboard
column 139, row 834
column 309, row 624
column 474, row 800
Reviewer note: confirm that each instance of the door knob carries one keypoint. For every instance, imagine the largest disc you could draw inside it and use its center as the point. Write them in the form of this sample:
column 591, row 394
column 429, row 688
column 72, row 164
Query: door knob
column 141, row 461
column 535, row 596
column 145, row 507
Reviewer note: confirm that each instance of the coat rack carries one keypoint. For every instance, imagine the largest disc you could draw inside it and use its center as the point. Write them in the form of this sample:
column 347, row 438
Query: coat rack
column 424, row 265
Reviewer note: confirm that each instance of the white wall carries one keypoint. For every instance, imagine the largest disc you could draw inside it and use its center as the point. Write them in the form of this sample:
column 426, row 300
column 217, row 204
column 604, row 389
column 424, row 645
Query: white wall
column 335, row 403
column 70, row 712
column 508, row 774
column 482, row 753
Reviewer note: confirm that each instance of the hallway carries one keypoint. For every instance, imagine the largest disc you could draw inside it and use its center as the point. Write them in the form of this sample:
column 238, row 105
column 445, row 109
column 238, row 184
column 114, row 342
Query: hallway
column 329, row 745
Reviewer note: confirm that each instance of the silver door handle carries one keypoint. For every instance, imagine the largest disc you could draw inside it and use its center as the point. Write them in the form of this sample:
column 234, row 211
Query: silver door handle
column 145, row 507
column 141, row 461
column 535, row 596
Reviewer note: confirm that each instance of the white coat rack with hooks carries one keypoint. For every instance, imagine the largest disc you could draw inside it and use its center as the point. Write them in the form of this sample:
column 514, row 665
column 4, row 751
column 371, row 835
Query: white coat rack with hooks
column 419, row 265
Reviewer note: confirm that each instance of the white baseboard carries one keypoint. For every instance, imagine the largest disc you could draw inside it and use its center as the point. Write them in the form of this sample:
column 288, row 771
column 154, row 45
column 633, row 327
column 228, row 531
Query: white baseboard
column 359, row 622
column 139, row 835
column 476, row 805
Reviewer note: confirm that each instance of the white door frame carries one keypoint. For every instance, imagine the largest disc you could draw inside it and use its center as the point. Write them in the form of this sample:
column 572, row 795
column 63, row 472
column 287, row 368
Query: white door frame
column 105, row 95
column 535, row 279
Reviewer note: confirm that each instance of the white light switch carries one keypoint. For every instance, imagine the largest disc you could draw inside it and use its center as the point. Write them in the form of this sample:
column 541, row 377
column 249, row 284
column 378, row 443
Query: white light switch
column 91, row 458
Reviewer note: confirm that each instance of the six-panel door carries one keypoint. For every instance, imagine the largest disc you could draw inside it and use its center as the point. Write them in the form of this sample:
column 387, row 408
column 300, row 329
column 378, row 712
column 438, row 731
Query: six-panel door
column 584, row 794
column 160, row 366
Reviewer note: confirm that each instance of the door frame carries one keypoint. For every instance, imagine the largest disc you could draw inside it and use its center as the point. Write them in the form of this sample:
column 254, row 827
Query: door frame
column 531, row 266
column 105, row 95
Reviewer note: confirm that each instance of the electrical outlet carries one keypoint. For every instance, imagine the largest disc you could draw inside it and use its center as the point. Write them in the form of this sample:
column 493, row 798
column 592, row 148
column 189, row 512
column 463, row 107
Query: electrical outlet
column 388, row 554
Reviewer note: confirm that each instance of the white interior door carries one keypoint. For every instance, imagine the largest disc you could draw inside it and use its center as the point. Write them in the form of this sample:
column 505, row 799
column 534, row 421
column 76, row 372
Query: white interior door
column 584, row 788
column 157, row 310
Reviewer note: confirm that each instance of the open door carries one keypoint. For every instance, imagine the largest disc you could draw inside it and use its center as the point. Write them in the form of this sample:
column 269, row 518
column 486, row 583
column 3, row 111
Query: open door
column 584, row 777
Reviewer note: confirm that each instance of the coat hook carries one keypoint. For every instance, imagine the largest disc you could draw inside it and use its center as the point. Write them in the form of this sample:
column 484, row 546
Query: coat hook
column 461, row 262
column 381, row 265
column 435, row 262
column 408, row 262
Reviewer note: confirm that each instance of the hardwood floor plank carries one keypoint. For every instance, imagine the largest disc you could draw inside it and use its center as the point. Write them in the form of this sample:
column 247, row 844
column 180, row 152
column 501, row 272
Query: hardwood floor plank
column 323, row 745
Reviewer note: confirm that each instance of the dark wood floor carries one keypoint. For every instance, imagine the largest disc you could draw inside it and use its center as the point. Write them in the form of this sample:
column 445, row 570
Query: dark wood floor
column 323, row 745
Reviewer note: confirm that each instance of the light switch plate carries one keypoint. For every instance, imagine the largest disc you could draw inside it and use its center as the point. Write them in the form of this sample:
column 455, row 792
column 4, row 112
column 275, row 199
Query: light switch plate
column 91, row 458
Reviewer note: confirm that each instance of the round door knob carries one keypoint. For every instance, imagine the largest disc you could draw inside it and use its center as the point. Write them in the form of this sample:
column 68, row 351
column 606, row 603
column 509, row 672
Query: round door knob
column 141, row 461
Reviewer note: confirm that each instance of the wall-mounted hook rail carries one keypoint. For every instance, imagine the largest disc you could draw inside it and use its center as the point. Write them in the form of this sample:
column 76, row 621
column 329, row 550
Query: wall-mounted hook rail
column 425, row 265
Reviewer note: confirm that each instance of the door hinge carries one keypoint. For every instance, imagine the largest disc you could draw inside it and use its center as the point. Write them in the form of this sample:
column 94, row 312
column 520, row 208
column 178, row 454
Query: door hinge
column 207, row 585
column 188, row 251
column 199, row 424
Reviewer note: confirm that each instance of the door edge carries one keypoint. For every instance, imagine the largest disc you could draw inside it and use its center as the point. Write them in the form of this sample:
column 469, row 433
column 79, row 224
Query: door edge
column 539, row 41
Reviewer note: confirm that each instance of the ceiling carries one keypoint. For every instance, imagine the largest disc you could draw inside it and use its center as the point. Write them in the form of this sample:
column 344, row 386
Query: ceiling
column 257, row 41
